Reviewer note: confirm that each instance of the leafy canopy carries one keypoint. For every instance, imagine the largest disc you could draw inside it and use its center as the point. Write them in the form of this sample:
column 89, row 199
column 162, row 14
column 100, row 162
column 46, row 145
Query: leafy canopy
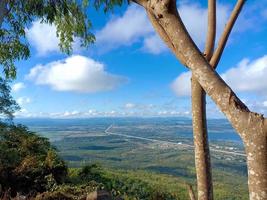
column 69, row 17
column 7, row 104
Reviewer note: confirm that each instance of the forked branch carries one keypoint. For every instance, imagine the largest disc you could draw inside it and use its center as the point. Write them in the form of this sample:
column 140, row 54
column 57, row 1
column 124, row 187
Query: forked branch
column 186, row 50
column 161, row 32
column 228, row 28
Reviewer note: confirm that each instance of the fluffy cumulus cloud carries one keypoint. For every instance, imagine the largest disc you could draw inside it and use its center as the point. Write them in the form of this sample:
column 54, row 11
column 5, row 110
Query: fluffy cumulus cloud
column 18, row 86
column 181, row 85
column 115, row 34
column 129, row 105
column 125, row 29
column 43, row 37
column 248, row 76
column 23, row 100
column 76, row 73
column 133, row 26
column 195, row 18
column 153, row 44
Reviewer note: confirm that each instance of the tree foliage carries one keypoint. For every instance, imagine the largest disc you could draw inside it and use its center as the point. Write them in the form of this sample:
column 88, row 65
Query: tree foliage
column 7, row 104
column 28, row 163
column 69, row 17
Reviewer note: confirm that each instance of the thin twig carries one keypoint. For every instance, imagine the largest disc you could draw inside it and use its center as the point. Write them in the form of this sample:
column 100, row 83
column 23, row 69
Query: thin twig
column 191, row 192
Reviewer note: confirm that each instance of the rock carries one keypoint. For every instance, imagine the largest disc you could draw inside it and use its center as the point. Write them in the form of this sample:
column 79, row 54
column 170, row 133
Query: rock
column 99, row 195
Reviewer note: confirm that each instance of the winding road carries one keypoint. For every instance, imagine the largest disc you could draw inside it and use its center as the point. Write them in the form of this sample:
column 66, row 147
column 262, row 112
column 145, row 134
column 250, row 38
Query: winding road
column 171, row 143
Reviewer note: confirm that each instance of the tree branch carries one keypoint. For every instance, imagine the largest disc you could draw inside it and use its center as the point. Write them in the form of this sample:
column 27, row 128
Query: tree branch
column 140, row 2
column 186, row 50
column 202, row 153
column 161, row 31
column 228, row 28
column 191, row 192
column 265, row 125
column 211, row 33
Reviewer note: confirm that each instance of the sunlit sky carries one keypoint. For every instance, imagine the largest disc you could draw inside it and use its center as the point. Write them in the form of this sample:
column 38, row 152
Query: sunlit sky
column 130, row 72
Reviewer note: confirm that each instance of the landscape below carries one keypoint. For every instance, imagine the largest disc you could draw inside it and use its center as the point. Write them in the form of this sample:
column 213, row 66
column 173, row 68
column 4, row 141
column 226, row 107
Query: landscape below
column 150, row 154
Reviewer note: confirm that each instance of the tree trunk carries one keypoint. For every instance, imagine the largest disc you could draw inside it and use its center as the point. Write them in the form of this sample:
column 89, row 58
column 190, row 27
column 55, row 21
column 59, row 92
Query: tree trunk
column 249, row 125
column 256, row 150
column 199, row 121
column 202, row 154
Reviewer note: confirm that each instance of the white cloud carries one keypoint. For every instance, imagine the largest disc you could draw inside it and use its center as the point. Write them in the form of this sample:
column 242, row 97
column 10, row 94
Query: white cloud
column 71, row 114
column 167, row 113
column 76, row 73
column 43, row 37
column 94, row 113
column 23, row 100
column 139, row 107
column 195, row 19
column 18, row 86
column 133, row 26
column 129, row 105
column 124, row 30
column 265, row 103
column 248, row 76
column 153, row 44
column 182, row 84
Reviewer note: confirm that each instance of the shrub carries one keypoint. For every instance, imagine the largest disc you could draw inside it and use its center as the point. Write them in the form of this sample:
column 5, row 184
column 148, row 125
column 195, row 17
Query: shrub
column 28, row 163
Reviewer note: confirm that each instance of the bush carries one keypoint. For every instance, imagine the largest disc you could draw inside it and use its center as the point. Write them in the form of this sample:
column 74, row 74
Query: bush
column 123, row 185
column 28, row 163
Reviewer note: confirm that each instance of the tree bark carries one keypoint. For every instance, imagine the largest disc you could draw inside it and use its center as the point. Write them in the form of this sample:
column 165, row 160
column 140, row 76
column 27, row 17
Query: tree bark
column 199, row 121
column 249, row 125
column 202, row 153
column 256, row 150
column 227, row 30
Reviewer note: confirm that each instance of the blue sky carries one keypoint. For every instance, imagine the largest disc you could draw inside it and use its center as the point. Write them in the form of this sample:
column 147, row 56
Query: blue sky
column 130, row 72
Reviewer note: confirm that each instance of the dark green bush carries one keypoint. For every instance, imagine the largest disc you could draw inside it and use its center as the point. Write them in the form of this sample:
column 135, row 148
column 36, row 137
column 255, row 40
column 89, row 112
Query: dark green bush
column 28, row 163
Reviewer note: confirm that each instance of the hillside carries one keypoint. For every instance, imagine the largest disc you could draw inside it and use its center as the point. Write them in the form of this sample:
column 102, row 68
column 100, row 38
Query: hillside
column 31, row 167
